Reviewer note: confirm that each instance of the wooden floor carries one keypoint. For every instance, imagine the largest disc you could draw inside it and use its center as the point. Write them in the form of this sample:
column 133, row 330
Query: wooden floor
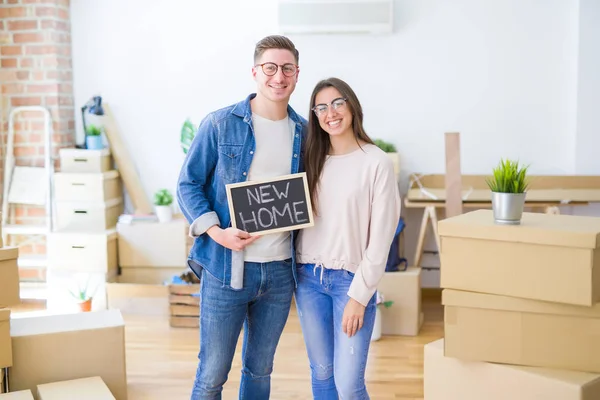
column 161, row 361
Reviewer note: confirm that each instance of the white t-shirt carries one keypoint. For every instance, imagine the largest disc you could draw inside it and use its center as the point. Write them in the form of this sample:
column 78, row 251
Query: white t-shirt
column 272, row 158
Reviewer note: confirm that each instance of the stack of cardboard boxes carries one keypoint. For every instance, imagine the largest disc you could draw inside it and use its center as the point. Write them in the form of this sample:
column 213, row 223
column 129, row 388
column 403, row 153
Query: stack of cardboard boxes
column 82, row 252
column 522, row 318
column 49, row 350
column 50, row 356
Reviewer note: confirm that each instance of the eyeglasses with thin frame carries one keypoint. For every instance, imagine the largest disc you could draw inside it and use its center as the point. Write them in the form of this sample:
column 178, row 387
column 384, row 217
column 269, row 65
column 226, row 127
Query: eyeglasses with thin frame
column 336, row 104
column 270, row 68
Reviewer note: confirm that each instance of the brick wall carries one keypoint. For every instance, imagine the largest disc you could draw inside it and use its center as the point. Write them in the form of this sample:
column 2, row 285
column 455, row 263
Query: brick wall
column 36, row 69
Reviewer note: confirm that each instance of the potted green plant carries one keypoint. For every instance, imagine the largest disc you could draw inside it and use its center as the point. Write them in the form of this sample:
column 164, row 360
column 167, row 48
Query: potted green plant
column 93, row 138
column 509, row 185
column 83, row 297
column 380, row 302
column 391, row 151
column 162, row 205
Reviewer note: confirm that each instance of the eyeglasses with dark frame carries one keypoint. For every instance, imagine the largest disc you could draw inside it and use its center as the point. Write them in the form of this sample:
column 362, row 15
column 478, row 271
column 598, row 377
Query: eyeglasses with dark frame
column 270, row 68
column 336, row 104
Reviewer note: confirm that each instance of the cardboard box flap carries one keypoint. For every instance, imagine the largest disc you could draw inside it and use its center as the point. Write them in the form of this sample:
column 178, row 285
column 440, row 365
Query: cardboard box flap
column 9, row 253
column 575, row 378
column 92, row 388
column 459, row 298
column 535, row 228
column 58, row 323
column 19, row 395
column 4, row 314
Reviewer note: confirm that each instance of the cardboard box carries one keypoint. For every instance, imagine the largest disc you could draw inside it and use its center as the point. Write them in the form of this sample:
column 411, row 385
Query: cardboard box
column 447, row 378
column 511, row 330
column 72, row 346
column 83, row 160
column 20, row 395
column 149, row 275
column 88, row 216
column 548, row 257
column 404, row 317
column 92, row 388
column 87, row 187
column 83, row 251
column 10, row 293
column 142, row 299
column 153, row 244
column 5, row 343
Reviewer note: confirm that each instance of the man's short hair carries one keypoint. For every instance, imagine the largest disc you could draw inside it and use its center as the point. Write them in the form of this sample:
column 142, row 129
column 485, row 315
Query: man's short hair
column 275, row 42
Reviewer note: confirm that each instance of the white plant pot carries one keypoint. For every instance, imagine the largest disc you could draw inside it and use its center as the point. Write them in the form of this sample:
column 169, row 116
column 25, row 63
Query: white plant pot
column 164, row 213
column 376, row 335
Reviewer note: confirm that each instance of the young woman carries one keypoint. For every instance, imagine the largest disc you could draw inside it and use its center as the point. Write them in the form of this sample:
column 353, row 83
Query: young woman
column 342, row 258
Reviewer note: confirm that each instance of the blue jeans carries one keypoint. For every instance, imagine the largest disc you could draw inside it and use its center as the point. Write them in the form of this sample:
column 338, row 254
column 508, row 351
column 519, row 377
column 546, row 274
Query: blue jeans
column 337, row 362
column 262, row 307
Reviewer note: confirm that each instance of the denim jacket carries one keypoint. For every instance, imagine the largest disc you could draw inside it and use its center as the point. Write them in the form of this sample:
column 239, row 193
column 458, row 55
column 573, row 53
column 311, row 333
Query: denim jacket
column 221, row 153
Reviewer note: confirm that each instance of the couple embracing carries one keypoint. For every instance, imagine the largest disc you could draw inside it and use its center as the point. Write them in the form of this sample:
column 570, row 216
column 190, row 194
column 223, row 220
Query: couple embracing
column 332, row 268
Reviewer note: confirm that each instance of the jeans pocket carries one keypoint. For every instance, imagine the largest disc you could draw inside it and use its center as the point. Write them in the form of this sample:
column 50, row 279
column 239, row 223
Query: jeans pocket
column 229, row 160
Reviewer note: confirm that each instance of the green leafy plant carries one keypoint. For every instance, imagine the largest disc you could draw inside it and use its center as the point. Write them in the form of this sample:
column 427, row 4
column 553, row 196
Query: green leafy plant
column 385, row 146
column 508, row 177
column 163, row 198
column 188, row 132
column 382, row 302
column 93, row 130
column 82, row 294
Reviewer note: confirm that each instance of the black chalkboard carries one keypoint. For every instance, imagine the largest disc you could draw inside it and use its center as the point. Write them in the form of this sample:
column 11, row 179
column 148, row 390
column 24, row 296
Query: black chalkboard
column 269, row 206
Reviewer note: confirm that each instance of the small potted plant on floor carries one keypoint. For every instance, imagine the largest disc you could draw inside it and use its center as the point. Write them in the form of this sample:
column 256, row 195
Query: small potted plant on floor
column 83, row 298
column 381, row 302
column 509, row 185
column 93, row 138
column 162, row 205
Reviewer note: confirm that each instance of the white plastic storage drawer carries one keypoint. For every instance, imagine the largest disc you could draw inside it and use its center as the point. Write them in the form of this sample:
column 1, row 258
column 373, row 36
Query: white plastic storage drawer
column 83, row 252
column 82, row 160
column 92, row 216
column 100, row 186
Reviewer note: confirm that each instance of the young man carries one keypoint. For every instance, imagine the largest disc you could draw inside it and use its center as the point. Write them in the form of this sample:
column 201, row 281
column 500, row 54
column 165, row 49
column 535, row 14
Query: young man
column 245, row 280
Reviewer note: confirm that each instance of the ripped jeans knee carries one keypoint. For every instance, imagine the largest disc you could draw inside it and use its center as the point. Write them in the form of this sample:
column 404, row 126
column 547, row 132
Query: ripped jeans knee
column 322, row 372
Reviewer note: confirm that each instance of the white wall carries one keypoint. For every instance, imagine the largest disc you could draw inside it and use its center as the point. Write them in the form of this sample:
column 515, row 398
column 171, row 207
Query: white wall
column 588, row 95
column 503, row 73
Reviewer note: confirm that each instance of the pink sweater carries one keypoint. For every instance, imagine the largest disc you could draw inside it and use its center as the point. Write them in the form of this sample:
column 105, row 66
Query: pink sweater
column 359, row 208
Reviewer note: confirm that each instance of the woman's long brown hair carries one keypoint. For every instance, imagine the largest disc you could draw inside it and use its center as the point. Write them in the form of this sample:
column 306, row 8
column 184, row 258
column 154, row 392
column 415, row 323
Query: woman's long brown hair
column 318, row 143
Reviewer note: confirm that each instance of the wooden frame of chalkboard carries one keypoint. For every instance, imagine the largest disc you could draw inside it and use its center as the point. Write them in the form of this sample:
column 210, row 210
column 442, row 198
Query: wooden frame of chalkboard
column 281, row 204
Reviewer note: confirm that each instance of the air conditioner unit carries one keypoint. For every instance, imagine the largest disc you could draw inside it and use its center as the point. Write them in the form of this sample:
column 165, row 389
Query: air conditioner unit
column 335, row 16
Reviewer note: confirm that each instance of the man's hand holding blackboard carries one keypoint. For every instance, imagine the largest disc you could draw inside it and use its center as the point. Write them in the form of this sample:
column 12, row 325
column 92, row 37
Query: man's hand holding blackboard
column 231, row 238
